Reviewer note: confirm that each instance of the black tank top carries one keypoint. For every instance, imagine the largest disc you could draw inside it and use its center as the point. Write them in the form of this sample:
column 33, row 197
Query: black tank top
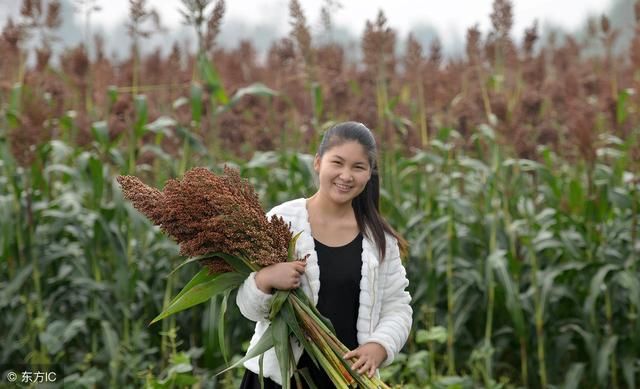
column 338, row 300
column 339, row 295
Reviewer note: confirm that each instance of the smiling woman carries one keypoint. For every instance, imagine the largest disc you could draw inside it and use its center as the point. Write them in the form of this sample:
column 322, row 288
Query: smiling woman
column 353, row 272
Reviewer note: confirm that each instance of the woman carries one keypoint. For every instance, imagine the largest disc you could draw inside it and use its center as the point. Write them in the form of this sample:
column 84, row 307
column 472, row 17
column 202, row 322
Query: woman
column 353, row 272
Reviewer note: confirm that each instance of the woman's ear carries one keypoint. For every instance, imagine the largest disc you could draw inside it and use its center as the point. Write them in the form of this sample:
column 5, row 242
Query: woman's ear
column 316, row 163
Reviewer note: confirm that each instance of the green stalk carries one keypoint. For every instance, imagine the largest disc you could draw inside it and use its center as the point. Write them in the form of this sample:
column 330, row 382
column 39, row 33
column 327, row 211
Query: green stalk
column 167, row 325
column 633, row 255
column 513, row 252
column 539, row 321
column 422, row 115
column 490, row 302
column 325, row 337
column 451, row 368
column 483, row 90
column 612, row 358
column 336, row 378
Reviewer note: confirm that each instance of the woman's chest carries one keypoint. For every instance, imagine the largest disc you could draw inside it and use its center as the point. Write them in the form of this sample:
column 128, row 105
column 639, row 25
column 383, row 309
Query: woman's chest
column 334, row 234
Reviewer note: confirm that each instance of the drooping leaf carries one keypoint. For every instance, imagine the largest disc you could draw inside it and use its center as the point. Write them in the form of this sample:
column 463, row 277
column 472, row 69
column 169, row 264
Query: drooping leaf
column 201, row 293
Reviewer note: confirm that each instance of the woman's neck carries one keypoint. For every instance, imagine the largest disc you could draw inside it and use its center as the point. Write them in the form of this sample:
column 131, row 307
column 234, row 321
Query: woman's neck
column 329, row 209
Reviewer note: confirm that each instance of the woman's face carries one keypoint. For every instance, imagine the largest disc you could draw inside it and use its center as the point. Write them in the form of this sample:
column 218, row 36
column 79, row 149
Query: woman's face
column 344, row 171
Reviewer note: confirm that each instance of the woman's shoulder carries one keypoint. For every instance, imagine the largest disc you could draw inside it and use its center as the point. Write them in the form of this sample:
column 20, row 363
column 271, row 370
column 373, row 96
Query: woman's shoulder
column 291, row 208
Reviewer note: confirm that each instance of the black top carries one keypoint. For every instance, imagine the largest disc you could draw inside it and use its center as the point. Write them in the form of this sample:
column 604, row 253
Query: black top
column 338, row 300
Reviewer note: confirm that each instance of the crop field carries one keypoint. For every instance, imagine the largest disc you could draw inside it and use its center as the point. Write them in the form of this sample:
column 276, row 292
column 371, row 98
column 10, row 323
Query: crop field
column 511, row 169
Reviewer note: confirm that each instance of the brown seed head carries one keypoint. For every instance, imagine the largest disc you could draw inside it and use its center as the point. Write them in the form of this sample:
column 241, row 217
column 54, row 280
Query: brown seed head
column 473, row 43
column 604, row 24
column 502, row 17
column 32, row 131
column 12, row 34
column 300, row 31
column 413, row 57
column 435, row 53
column 213, row 24
column 31, row 8
column 207, row 213
column 43, row 54
column 53, row 20
column 378, row 43
column 530, row 38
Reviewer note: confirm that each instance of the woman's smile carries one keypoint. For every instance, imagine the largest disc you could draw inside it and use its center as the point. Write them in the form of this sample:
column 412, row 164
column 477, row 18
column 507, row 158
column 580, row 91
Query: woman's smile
column 343, row 187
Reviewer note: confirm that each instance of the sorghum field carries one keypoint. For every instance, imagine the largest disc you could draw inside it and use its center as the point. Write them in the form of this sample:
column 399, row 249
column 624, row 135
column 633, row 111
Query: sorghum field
column 512, row 170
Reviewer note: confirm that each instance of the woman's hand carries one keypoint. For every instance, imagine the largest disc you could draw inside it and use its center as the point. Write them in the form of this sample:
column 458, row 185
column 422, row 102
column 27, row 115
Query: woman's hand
column 283, row 276
column 370, row 356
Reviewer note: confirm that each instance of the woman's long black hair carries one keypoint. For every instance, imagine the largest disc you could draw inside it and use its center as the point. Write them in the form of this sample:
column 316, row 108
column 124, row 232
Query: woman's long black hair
column 366, row 205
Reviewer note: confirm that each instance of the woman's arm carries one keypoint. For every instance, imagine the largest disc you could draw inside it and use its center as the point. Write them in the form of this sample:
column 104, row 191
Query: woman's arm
column 253, row 303
column 394, row 325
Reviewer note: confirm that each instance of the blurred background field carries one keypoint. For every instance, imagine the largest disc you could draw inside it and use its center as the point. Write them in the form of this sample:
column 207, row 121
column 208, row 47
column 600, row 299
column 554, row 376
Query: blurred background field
column 511, row 168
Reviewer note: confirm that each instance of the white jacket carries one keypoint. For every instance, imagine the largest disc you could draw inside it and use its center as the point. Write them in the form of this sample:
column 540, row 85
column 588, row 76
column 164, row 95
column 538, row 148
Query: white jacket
column 384, row 314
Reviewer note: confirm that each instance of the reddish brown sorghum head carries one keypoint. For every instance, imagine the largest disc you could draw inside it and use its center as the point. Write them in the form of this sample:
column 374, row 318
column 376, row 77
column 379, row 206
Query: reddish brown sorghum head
column 207, row 213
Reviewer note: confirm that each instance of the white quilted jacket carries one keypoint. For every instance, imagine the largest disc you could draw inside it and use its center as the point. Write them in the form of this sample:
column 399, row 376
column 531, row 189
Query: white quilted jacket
column 384, row 314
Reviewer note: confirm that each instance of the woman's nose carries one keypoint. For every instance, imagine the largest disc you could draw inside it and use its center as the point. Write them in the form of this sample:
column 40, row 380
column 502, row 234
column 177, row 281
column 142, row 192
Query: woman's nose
column 346, row 176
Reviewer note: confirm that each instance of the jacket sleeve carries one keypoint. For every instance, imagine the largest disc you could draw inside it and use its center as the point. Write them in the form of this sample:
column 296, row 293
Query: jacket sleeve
column 253, row 303
column 394, row 325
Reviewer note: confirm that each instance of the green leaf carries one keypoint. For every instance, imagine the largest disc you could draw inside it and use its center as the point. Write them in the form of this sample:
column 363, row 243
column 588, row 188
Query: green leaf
column 498, row 262
column 574, row 376
column 264, row 344
column 97, row 179
column 162, row 125
column 281, row 345
column 201, row 293
column 597, row 286
column 279, row 299
column 604, row 353
column 110, row 339
column 318, row 101
column 221, row 320
column 199, row 278
column 437, row 333
column 292, row 247
column 289, row 317
column 622, row 110
column 576, row 196
column 304, row 372
column 196, row 102
column 100, row 132
column 237, row 263
column 212, row 79
column 628, row 370
column 255, row 89
column 140, row 103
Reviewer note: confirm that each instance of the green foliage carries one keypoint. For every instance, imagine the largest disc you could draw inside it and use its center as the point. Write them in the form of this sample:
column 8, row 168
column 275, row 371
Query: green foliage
column 523, row 273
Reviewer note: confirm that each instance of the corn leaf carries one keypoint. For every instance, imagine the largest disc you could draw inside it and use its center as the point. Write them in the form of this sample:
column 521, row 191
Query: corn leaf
column 201, row 293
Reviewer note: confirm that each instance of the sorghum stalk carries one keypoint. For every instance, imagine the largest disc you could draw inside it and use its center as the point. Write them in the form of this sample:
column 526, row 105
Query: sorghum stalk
column 451, row 368
column 612, row 358
column 539, row 321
